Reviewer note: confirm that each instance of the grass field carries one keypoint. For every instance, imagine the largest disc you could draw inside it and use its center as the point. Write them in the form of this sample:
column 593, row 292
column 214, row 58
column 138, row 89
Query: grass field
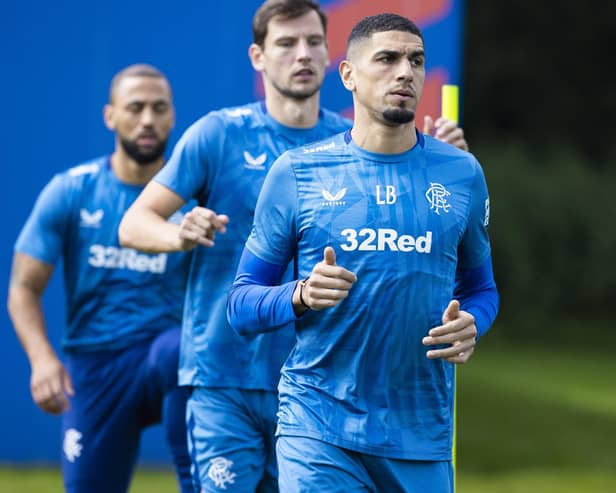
column 530, row 421
column 537, row 421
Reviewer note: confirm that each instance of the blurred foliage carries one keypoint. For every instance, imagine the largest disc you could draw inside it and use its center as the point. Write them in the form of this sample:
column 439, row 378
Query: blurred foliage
column 554, row 244
column 539, row 114
column 535, row 71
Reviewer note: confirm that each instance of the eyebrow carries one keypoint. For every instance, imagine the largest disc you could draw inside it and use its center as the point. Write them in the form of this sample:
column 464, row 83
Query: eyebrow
column 146, row 102
column 398, row 53
column 287, row 37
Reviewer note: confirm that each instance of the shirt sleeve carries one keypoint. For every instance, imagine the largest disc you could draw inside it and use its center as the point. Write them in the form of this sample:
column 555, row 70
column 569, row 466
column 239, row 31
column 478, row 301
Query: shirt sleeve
column 476, row 291
column 474, row 285
column 257, row 302
column 43, row 234
column 188, row 170
column 475, row 245
column 273, row 236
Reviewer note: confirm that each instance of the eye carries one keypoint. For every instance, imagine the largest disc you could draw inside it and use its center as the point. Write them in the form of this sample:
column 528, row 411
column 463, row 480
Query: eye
column 285, row 43
column 135, row 108
column 315, row 41
column 161, row 107
column 386, row 58
column 418, row 62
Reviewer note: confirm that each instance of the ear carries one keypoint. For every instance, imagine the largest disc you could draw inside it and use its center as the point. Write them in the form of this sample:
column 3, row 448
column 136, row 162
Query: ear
column 255, row 53
column 345, row 70
column 108, row 117
column 172, row 116
column 327, row 60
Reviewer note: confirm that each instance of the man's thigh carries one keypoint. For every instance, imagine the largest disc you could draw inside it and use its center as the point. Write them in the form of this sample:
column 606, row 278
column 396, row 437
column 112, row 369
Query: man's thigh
column 409, row 476
column 157, row 376
column 307, row 465
column 231, row 439
column 162, row 362
column 101, row 430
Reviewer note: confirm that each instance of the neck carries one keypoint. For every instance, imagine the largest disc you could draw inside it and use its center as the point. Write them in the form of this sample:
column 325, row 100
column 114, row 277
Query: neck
column 374, row 136
column 295, row 113
column 129, row 171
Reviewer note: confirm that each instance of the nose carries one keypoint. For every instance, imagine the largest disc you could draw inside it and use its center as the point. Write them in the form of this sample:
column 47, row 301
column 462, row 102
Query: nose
column 405, row 71
column 303, row 50
column 147, row 116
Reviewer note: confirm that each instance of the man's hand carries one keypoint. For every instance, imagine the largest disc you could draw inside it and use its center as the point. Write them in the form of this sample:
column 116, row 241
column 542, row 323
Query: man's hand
column 445, row 130
column 458, row 330
column 199, row 227
column 327, row 286
column 50, row 384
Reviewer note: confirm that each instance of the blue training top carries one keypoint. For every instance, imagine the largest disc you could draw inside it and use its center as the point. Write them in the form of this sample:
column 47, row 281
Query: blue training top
column 406, row 224
column 221, row 161
column 114, row 296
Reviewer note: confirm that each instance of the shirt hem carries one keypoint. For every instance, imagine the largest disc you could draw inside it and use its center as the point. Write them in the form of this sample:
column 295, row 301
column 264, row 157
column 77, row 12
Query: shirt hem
column 390, row 453
column 218, row 384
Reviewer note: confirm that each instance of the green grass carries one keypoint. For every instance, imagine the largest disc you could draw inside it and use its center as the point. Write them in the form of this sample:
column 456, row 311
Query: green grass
column 539, row 420
column 43, row 480
column 541, row 481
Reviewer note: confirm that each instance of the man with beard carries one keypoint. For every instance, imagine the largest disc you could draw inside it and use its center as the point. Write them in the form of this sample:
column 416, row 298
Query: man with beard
column 387, row 229
column 124, row 307
column 221, row 161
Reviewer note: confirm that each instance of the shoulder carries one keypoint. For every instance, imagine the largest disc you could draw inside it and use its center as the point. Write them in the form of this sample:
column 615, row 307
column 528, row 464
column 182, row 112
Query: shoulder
column 438, row 152
column 67, row 189
column 322, row 153
column 235, row 116
column 79, row 175
column 334, row 121
column 298, row 160
column 217, row 124
column 333, row 146
column 437, row 148
column 88, row 168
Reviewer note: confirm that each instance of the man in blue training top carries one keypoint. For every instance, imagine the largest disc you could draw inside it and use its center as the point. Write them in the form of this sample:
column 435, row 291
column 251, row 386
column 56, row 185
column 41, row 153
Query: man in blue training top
column 124, row 308
column 387, row 230
column 222, row 161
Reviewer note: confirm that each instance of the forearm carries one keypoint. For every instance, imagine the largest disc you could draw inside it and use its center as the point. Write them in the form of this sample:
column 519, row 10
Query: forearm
column 478, row 295
column 145, row 230
column 484, row 308
column 254, row 309
column 25, row 310
column 257, row 302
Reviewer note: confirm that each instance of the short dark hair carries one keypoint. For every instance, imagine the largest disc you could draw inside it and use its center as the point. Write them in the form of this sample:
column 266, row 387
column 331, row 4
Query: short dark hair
column 286, row 9
column 136, row 70
column 381, row 23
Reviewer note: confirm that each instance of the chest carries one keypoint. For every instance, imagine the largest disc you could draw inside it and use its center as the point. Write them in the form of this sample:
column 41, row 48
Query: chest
column 240, row 167
column 97, row 213
column 394, row 209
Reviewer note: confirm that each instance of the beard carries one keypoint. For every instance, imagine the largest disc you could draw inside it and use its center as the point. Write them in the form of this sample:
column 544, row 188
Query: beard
column 141, row 156
column 297, row 94
column 398, row 116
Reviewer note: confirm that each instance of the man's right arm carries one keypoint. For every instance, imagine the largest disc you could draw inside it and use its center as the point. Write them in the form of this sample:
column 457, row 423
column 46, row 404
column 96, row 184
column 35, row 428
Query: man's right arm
column 145, row 226
column 257, row 303
column 49, row 381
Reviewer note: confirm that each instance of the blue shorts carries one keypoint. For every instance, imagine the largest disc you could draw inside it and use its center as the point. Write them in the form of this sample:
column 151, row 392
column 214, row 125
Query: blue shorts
column 118, row 394
column 311, row 466
column 231, row 439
